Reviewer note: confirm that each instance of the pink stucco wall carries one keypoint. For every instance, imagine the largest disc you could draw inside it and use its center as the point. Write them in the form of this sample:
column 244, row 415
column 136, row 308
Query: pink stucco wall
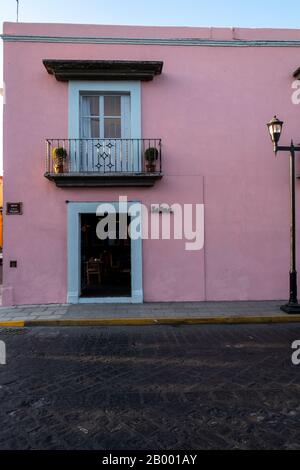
column 210, row 107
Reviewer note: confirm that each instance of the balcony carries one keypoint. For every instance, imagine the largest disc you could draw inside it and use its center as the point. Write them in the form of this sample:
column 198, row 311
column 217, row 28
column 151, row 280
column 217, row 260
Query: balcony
column 103, row 162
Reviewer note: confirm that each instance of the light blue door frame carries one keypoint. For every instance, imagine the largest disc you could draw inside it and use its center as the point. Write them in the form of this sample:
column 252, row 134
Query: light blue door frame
column 75, row 209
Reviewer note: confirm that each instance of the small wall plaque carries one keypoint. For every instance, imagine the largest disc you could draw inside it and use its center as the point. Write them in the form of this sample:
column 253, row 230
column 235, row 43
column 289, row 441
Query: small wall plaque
column 161, row 209
column 14, row 208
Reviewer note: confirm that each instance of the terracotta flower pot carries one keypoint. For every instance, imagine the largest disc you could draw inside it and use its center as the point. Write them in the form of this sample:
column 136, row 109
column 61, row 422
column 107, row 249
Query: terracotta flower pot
column 58, row 167
column 151, row 167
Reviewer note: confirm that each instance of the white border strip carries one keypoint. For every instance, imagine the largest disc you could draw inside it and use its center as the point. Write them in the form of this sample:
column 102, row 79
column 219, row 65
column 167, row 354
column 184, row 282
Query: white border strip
column 153, row 41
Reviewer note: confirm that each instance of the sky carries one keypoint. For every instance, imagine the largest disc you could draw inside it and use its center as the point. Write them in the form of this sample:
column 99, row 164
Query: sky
column 238, row 13
column 259, row 13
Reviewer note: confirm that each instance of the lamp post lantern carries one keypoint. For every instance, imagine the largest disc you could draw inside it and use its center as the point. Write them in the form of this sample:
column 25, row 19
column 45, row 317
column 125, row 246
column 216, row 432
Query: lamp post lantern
column 275, row 128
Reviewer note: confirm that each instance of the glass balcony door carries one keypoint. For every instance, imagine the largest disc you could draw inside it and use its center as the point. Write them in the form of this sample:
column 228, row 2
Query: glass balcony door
column 105, row 133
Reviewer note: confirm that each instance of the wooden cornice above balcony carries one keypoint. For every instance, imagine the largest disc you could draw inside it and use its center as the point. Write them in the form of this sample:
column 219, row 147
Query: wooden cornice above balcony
column 65, row 70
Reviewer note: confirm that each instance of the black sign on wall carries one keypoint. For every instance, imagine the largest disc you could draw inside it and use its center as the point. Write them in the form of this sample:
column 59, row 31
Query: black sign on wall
column 14, row 208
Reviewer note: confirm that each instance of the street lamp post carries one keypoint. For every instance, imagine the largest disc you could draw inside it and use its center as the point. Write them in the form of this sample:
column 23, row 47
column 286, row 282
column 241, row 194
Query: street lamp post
column 275, row 129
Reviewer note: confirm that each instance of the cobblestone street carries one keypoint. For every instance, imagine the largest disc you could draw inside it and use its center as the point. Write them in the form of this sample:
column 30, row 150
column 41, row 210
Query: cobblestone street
column 156, row 387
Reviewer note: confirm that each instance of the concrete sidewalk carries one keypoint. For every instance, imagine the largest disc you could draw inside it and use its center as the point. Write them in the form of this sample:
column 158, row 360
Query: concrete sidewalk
column 148, row 313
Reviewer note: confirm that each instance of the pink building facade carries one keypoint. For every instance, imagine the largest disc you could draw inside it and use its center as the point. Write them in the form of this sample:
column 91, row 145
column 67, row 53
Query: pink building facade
column 201, row 98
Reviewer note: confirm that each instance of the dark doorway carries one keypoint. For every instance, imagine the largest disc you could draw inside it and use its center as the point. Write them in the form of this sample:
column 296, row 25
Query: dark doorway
column 105, row 264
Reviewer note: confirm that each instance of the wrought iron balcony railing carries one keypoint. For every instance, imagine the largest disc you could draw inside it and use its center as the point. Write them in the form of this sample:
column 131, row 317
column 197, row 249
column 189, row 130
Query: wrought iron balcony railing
column 98, row 162
column 103, row 155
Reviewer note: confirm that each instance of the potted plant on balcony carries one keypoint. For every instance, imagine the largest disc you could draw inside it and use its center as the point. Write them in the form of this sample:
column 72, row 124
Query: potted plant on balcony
column 59, row 156
column 151, row 156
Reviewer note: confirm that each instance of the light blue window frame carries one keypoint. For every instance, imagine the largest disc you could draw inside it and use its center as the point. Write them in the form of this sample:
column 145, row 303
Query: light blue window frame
column 133, row 88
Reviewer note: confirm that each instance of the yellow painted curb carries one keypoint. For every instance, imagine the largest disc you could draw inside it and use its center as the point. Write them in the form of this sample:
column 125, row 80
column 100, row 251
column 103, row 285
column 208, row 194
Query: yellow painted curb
column 230, row 320
column 12, row 323
column 165, row 321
